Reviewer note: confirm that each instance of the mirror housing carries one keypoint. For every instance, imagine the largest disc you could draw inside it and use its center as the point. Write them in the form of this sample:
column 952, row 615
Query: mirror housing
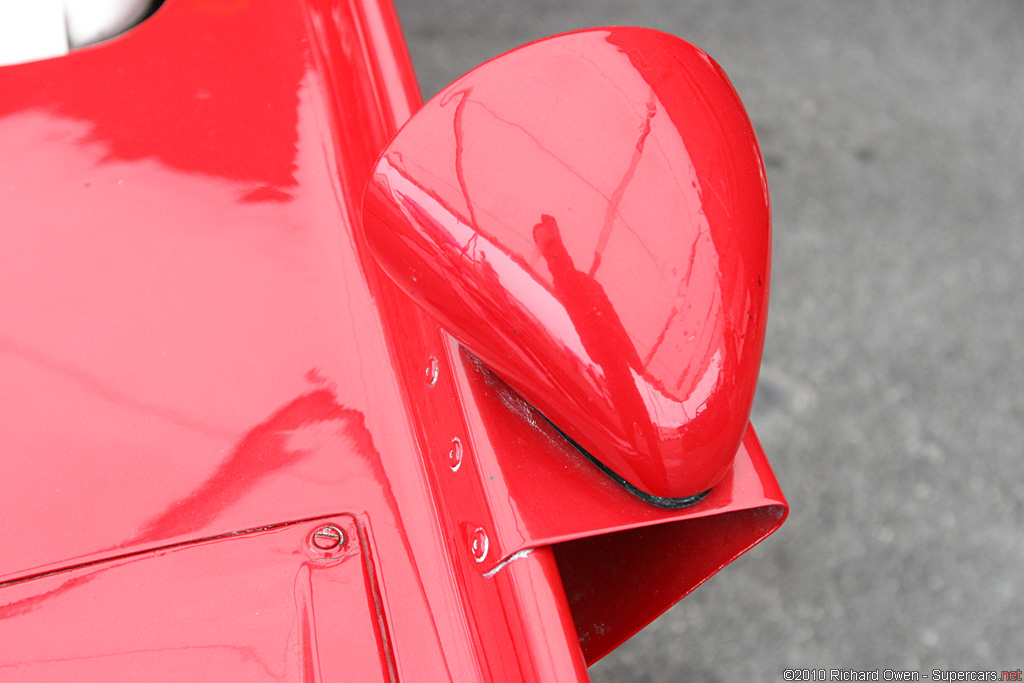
column 588, row 214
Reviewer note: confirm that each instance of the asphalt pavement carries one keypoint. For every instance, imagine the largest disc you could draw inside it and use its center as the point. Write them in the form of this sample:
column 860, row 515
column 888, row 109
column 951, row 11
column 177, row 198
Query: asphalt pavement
column 890, row 401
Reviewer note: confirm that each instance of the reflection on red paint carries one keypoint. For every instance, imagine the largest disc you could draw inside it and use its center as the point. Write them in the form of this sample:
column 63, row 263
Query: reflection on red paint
column 249, row 606
column 195, row 102
column 633, row 314
column 198, row 352
column 274, row 444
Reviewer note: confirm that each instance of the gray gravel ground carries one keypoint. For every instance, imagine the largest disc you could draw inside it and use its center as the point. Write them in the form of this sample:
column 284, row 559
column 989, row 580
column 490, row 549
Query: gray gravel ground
column 890, row 400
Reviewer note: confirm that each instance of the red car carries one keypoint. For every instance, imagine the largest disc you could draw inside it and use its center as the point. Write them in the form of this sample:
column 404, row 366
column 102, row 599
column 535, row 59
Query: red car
column 482, row 427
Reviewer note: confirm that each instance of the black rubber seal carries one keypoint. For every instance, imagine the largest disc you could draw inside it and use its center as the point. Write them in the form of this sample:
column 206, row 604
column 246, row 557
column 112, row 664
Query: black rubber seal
column 669, row 503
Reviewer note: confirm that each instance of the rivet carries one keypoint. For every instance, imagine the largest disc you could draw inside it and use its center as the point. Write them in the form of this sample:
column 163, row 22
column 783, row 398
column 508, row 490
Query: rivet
column 455, row 455
column 479, row 544
column 433, row 368
column 327, row 537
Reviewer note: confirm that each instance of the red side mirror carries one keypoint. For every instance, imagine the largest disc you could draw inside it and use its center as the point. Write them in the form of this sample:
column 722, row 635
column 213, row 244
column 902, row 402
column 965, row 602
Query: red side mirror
column 589, row 215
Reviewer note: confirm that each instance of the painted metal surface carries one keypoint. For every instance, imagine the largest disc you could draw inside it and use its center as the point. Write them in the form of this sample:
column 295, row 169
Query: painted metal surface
column 510, row 453
column 589, row 215
column 195, row 343
column 286, row 611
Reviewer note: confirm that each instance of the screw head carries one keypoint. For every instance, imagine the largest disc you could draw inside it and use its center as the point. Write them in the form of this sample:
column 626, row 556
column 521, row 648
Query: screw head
column 433, row 368
column 479, row 544
column 455, row 455
column 327, row 537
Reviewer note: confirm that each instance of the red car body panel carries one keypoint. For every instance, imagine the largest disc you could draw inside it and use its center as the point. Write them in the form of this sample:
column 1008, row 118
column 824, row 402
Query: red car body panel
column 589, row 215
column 201, row 364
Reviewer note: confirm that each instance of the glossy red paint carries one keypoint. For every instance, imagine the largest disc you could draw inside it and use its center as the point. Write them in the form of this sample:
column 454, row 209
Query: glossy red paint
column 525, row 460
column 263, row 620
column 201, row 363
column 589, row 215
